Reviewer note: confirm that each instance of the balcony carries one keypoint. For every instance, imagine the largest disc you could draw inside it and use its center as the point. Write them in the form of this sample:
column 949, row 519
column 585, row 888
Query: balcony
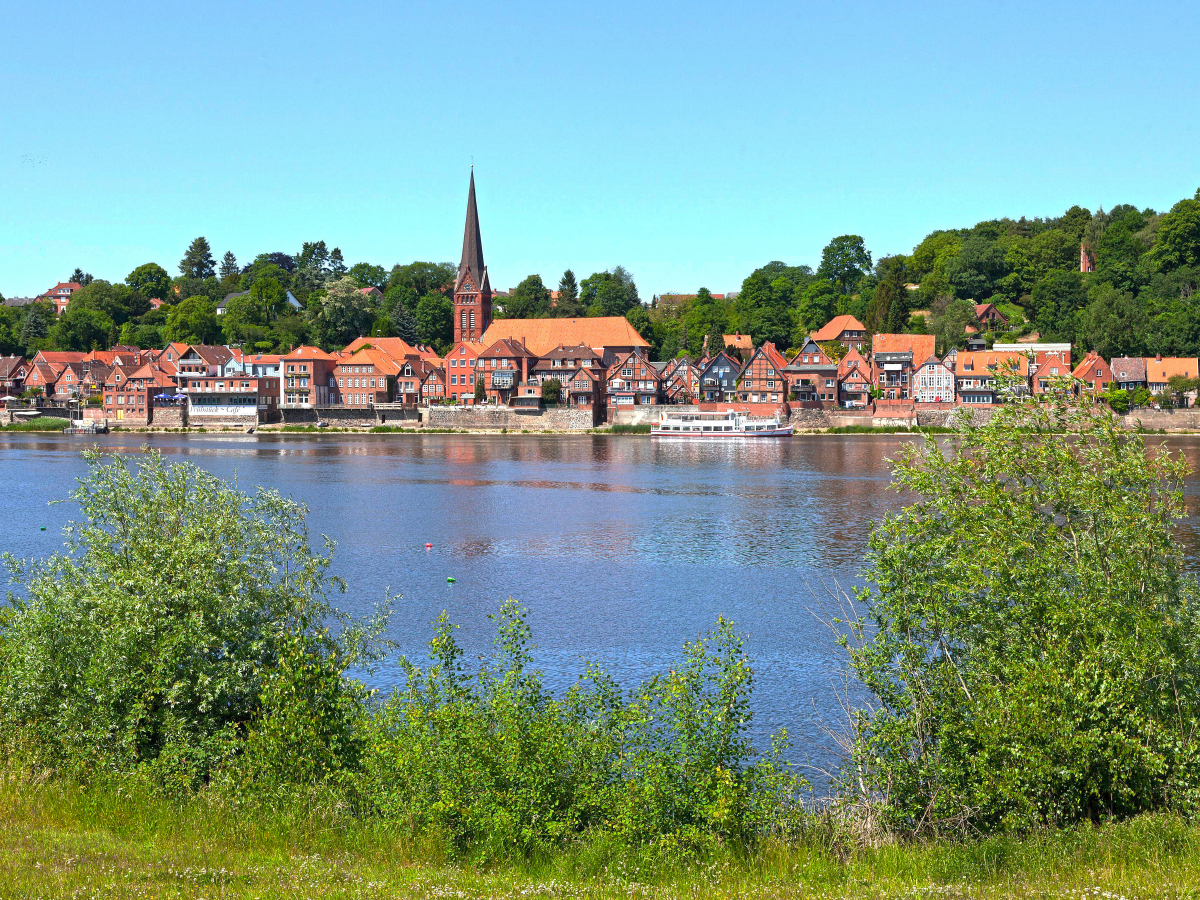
column 503, row 380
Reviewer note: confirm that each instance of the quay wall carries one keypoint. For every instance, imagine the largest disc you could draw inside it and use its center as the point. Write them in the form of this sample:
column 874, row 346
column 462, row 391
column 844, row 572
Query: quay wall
column 495, row 418
column 1163, row 419
column 170, row 417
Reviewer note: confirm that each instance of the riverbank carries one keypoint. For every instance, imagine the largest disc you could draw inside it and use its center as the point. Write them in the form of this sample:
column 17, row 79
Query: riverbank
column 60, row 840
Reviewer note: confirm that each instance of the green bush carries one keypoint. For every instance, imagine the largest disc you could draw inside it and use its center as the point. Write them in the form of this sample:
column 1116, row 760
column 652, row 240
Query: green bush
column 1031, row 637
column 151, row 646
column 493, row 763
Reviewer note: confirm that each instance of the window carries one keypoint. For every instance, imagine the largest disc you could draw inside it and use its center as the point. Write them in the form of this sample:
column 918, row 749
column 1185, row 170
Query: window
column 373, row 382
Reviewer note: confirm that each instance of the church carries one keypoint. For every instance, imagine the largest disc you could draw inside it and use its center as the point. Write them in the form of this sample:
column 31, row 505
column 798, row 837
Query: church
column 475, row 333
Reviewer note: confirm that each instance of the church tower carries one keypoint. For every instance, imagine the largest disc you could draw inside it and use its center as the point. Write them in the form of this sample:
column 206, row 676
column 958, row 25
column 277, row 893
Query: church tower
column 472, row 290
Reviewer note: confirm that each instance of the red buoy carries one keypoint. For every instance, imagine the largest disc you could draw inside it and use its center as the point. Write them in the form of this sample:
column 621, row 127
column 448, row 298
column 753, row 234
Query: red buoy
column 429, row 546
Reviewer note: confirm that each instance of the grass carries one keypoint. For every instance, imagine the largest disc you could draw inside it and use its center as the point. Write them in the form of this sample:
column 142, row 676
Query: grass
column 60, row 840
column 885, row 429
column 42, row 423
column 644, row 428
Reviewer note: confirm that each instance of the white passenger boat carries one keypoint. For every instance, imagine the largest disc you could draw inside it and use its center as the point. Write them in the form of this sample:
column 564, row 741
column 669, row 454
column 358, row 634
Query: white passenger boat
column 716, row 425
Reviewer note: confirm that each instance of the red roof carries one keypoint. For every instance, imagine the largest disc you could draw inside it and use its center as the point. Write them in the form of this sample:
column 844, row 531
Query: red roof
column 307, row 352
column 833, row 329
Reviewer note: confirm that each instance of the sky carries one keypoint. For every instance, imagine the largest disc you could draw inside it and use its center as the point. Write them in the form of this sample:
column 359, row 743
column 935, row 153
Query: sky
column 688, row 142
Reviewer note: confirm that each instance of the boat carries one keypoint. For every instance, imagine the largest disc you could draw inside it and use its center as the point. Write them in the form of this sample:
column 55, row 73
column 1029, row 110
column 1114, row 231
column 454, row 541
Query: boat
column 716, row 426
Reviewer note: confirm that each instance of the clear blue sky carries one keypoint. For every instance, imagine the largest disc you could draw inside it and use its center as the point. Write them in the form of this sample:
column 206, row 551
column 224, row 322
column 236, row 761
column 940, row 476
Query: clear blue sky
column 689, row 142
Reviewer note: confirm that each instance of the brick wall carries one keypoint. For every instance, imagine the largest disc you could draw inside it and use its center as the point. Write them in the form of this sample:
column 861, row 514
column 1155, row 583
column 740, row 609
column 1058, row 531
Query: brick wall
column 170, row 417
column 348, row 417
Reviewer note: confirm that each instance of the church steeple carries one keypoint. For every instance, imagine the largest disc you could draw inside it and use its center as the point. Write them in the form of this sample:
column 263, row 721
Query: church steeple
column 472, row 290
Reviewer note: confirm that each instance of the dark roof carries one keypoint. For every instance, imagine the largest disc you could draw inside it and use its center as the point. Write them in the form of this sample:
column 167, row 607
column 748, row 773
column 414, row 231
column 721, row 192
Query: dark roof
column 1128, row 368
column 579, row 351
column 472, row 252
column 10, row 364
column 507, row 348
column 19, row 301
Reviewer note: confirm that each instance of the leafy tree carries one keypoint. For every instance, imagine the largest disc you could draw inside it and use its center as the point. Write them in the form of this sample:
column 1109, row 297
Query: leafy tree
column 424, row 277
column 118, row 302
column 1178, row 240
column 613, row 291
column 844, row 261
column 150, row 280
column 551, row 391
column 198, row 261
column 1059, row 680
column 528, row 300
column 816, row 306
column 1056, row 300
column 1114, row 323
column 229, row 266
column 1074, row 221
column 368, row 275
column 342, row 314
column 262, row 269
column 435, row 321
column 480, row 390
column 193, row 321
column 568, row 297
column 135, row 654
column 889, row 305
column 948, row 321
column 975, row 272
column 83, row 328
column 80, row 277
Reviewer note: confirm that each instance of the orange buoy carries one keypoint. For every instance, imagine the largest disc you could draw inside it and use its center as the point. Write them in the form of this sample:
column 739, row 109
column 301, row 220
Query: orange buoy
column 429, row 546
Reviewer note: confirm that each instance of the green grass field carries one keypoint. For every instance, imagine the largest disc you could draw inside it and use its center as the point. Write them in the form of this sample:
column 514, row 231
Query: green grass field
column 59, row 840
column 42, row 423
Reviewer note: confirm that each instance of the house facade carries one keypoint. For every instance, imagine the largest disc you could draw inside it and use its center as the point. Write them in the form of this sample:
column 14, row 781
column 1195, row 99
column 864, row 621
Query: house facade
column 813, row 376
column 764, row 379
column 718, row 379
column 632, row 381
column 854, row 381
column 933, row 382
column 894, row 362
column 846, row 330
column 308, row 377
column 504, row 366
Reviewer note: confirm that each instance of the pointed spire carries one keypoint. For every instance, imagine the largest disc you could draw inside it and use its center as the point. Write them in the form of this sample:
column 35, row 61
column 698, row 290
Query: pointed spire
column 472, row 251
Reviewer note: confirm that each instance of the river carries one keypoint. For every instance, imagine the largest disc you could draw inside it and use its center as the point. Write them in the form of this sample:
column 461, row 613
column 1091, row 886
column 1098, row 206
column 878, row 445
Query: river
column 621, row 548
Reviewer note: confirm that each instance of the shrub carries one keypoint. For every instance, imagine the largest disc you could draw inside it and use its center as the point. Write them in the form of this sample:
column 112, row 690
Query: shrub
column 1030, row 640
column 493, row 763
column 151, row 645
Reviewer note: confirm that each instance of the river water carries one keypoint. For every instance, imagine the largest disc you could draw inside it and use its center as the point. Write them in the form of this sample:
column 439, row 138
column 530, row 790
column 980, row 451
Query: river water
column 621, row 548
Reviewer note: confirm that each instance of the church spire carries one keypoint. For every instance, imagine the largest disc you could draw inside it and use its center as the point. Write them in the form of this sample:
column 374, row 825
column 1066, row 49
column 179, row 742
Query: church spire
column 472, row 290
column 472, row 250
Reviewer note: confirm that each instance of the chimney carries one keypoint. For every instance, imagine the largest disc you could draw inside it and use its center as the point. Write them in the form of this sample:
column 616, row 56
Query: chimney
column 1158, row 357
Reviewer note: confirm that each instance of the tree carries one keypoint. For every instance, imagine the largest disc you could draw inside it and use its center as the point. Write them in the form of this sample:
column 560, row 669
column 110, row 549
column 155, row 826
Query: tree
column 551, row 391
column 1056, row 300
column 948, row 321
column 568, row 297
column 816, row 306
column 82, row 328
column 337, row 265
column 368, row 275
column 424, row 277
column 435, row 321
column 342, row 314
column 843, row 261
column 888, row 310
column 36, row 323
column 480, row 391
column 614, row 292
column 1114, row 323
column 1178, row 240
column 118, row 302
column 1058, row 681
column 80, row 277
column 193, row 321
column 150, row 280
column 229, row 266
column 198, row 261
column 977, row 269
column 109, row 660
column 528, row 300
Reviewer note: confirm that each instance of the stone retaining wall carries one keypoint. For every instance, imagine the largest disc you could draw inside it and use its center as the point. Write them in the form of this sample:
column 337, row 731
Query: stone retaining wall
column 170, row 417
column 348, row 417
column 495, row 418
column 1163, row 419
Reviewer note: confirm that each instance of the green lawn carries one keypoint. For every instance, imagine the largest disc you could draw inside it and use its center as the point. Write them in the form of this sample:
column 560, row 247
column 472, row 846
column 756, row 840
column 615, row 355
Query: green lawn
column 61, row 841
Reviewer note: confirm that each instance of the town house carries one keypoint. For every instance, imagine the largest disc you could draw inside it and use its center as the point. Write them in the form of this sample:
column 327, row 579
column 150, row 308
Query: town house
column 60, row 295
column 362, row 379
column 308, row 377
column 125, row 399
column 853, row 380
column 1129, row 372
column 581, row 372
column 894, row 362
column 764, row 379
column 681, row 380
column 813, row 376
column 989, row 317
column 460, row 366
column 1047, row 366
column 12, row 376
column 933, row 382
column 432, row 380
column 1094, row 372
column 633, row 381
column 976, row 372
column 846, row 330
column 504, row 366
column 718, row 379
column 1161, row 369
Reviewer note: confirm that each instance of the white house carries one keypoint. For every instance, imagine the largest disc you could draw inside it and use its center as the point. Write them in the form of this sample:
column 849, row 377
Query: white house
column 934, row 382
